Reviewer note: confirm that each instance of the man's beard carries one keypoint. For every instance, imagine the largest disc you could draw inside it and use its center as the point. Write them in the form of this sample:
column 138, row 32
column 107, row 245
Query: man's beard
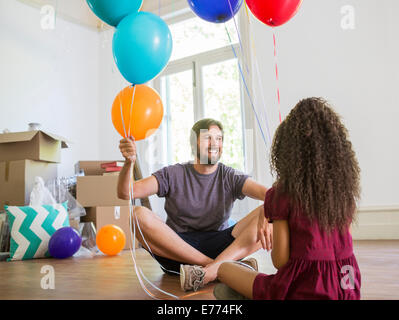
column 206, row 159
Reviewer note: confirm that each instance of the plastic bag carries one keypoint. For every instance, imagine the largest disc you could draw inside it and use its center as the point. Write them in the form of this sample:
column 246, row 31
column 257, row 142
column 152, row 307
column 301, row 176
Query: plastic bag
column 40, row 195
column 60, row 188
column 84, row 252
column 88, row 233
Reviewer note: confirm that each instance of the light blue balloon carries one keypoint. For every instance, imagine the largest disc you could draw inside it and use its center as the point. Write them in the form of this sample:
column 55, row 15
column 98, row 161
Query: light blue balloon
column 142, row 46
column 113, row 11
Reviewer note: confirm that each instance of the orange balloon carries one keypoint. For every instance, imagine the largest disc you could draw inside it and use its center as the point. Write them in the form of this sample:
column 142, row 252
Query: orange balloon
column 142, row 116
column 110, row 239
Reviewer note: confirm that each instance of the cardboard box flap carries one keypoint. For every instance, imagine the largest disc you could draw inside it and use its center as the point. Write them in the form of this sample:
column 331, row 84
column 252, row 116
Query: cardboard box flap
column 17, row 136
column 29, row 135
column 64, row 143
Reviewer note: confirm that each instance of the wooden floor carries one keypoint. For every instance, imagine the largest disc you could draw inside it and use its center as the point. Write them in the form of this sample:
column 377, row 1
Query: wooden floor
column 103, row 277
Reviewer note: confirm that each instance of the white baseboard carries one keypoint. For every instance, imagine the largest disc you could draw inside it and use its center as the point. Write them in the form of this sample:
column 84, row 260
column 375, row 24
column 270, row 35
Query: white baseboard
column 376, row 223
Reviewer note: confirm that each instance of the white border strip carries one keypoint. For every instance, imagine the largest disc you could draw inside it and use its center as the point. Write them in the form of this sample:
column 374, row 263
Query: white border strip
column 376, row 223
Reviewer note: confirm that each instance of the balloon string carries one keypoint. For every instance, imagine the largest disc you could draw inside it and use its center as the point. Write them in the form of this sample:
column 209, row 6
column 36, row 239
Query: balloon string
column 132, row 251
column 148, row 247
column 132, row 223
column 246, row 87
column 276, row 67
column 238, row 35
column 123, row 121
column 263, row 111
column 257, row 69
column 133, row 237
column 131, row 109
column 55, row 13
column 139, row 271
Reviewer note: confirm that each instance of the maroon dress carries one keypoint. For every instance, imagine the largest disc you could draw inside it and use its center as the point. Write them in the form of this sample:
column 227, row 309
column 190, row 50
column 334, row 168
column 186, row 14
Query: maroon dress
column 320, row 266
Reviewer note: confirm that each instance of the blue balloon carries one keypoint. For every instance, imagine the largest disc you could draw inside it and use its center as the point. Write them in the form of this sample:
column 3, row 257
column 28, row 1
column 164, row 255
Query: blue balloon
column 142, row 46
column 113, row 11
column 64, row 243
column 217, row 11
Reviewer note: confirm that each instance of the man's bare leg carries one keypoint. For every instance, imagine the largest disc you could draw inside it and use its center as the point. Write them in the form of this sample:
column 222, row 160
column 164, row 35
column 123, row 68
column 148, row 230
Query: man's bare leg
column 163, row 241
column 245, row 243
column 237, row 277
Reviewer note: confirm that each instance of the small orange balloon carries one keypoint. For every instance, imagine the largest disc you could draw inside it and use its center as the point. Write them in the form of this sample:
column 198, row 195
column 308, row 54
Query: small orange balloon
column 110, row 239
column 142, row 116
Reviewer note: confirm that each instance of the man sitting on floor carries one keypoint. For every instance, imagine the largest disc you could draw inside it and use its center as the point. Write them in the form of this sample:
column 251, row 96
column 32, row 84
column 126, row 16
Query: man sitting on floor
column 199, row 197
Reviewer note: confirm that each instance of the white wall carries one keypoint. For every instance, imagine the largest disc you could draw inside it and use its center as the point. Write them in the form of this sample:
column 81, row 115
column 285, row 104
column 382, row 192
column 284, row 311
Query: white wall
column 356, row 70
column 111, row 82
column 50, row 77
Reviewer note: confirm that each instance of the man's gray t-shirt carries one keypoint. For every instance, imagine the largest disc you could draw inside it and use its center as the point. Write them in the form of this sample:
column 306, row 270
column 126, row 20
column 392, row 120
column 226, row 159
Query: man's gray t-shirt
column 199, row 202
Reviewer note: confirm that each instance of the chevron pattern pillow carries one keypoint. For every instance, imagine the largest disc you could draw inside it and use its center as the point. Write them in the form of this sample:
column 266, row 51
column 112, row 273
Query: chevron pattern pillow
column 31, row 228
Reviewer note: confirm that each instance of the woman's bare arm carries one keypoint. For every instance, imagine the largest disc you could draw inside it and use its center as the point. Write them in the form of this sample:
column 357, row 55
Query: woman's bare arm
column 281, row 243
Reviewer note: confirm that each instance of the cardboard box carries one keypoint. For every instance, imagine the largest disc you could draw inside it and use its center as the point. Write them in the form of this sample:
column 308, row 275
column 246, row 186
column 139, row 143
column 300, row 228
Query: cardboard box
column 116, row 215
column 32, row 145
column 17, row 179
column 98, row 191
column 92, row 168
column 89, row 168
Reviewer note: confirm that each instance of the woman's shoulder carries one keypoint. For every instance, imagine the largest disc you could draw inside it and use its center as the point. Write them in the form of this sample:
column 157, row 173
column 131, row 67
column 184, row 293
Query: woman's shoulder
column 277, row 205
column 276, row 195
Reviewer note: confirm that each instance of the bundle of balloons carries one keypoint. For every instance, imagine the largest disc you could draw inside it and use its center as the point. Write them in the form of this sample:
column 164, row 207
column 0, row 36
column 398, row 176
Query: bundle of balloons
column 66, row 241
column 142, row 46
column 271, row 12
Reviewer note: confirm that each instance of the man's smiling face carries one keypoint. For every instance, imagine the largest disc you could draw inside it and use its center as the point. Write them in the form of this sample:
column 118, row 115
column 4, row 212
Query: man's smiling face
column 210, row 145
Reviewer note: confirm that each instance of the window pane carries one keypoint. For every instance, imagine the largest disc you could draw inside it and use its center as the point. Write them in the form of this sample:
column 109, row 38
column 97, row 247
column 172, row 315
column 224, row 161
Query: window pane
column 222, row 102
column 195, row 35
column 177, row 94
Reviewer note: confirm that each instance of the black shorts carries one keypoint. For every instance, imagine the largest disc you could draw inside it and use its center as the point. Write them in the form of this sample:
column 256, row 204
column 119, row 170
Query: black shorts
column 210, row 243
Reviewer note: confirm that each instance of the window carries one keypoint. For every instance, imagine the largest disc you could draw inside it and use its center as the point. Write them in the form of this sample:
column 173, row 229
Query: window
column 177, row 94
column 202, row 80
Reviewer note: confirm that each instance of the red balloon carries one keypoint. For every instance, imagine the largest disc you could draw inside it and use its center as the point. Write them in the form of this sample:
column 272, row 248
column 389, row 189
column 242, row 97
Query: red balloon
column 274, row 12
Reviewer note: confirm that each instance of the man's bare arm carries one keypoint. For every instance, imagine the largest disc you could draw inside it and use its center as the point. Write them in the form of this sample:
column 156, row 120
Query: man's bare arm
column 124, row 180
column 254, row 190
column 141, row 188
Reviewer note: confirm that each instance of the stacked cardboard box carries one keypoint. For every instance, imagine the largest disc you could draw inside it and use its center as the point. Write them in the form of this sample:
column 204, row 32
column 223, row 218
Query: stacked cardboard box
column 98, row 194
column 23, row 156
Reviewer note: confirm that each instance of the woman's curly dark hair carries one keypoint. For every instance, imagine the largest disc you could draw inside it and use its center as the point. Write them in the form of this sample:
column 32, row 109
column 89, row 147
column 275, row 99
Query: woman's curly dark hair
column 316, row 165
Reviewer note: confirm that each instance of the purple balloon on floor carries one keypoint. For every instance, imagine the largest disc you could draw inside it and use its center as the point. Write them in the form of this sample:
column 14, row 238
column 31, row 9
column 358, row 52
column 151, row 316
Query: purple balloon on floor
column 64, row 243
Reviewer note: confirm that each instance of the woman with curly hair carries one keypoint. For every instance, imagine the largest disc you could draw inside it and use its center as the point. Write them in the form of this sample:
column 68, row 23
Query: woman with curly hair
column 311, row 205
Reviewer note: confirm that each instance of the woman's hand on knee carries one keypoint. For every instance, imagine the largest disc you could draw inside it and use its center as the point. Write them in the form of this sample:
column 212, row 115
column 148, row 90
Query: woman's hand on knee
column 265, row 232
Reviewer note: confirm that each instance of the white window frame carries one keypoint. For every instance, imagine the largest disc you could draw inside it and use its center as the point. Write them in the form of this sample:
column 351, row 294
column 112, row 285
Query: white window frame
column 196, row 63
column 254, row 159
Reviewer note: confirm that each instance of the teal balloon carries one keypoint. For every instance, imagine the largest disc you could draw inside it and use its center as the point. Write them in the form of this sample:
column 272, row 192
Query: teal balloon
column 113, row 11
column 142, row 46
